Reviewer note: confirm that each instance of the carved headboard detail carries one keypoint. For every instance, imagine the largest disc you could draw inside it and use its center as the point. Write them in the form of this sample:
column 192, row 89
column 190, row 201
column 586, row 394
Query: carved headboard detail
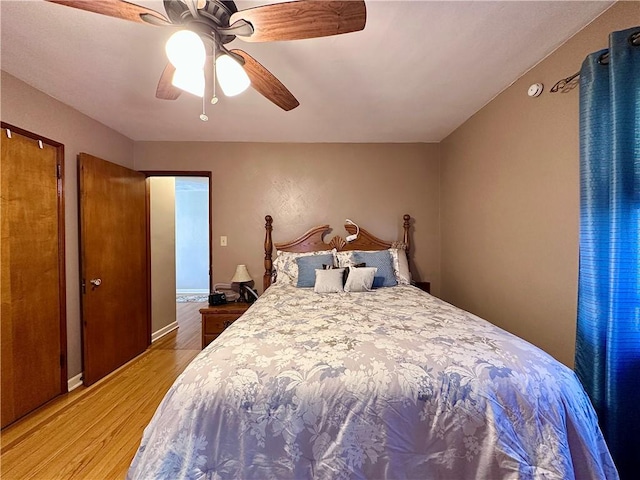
column 313, row 241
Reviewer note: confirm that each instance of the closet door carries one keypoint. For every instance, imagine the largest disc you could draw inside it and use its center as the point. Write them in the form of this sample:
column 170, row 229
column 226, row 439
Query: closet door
column 32, row 275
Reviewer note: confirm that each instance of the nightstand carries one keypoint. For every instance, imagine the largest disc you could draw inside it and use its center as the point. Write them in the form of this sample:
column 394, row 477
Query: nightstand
column 216, row 318
column 424, row 286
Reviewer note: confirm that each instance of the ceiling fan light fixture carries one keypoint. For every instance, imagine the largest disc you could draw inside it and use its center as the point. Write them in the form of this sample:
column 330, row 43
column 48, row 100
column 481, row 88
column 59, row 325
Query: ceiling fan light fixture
column 231, row 76
column 186, row 50
column 218, row 22
column 190, row 80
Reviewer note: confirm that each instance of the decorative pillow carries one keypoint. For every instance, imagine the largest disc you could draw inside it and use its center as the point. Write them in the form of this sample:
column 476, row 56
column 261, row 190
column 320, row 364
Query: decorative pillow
column 286, row 267
column 385, row 277
column 307, row 268
column 400, row 266
column 360, row 279
column 328, row 280
column 343, row 259
column 345, row 269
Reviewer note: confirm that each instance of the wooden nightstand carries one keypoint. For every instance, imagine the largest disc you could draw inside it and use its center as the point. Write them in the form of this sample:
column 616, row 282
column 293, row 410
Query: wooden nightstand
column 424, row 286
column 215, row 319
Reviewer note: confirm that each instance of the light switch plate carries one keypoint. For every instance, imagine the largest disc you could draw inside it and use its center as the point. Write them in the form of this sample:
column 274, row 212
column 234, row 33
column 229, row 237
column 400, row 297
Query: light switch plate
column 223, row 241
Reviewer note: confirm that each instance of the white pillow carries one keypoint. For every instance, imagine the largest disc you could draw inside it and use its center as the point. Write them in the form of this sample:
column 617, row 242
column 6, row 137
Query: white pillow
column 360, row 279
column 400, row 266
column 329, row 281
column 286, row 267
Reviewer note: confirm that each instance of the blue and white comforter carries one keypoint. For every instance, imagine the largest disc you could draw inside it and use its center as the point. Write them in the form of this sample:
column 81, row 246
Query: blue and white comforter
column 386, row 384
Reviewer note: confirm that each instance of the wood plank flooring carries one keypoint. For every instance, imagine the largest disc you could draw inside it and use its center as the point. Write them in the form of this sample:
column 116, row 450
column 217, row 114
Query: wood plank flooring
column 93, row 433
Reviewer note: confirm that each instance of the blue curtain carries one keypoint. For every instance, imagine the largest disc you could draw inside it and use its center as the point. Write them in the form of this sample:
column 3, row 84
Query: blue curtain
column 608, row 329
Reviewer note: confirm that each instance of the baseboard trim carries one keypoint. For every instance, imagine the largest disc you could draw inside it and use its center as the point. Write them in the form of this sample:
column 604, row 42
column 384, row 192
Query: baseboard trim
column 191, row 291
column 74, row 382
column 163, row 331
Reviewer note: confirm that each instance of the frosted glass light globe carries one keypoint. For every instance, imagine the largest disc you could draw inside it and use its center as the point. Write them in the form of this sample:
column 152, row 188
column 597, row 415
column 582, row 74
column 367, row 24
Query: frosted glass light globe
column 190, row 80
column 231, row 76
column 186, row 50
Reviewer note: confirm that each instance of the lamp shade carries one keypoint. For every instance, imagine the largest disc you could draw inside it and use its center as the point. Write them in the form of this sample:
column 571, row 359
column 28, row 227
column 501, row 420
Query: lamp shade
column 241, row 275
column 231, row 76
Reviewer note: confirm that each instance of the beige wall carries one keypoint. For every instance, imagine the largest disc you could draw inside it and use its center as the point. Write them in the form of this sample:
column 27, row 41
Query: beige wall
column 510, row 200
column 163, row 251
column 304, row 185
column 32, row 110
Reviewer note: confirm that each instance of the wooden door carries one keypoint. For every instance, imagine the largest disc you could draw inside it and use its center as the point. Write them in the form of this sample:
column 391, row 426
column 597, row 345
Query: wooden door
column 33, row 295
column 113, row 257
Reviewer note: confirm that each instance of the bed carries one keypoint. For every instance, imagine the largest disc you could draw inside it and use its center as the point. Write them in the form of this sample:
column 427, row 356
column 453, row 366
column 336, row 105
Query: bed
column 388, row 382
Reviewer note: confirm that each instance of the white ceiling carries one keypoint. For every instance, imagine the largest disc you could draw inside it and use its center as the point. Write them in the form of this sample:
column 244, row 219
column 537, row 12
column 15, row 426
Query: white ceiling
column 417, row 71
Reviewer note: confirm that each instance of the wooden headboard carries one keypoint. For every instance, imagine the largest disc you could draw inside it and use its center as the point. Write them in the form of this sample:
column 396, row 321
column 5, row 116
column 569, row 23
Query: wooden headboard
column 312, row 241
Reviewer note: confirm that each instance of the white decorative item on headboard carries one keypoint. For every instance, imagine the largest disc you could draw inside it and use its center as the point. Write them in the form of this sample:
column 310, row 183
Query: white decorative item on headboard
column 351, row 238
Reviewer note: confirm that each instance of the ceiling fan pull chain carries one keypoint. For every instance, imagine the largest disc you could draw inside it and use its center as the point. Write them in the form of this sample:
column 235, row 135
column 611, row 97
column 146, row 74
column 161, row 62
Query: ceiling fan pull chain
column 203, row 115
column 214, row 99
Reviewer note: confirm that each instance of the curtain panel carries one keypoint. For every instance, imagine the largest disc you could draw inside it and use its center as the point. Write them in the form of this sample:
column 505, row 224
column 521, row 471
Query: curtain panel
column 608, row 325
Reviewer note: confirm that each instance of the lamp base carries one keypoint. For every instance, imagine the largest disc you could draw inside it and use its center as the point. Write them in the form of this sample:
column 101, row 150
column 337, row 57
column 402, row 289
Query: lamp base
column 247, row 294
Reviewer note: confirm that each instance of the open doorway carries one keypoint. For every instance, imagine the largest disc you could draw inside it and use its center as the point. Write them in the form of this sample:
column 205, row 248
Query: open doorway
column 192, row 239
column 180, row 252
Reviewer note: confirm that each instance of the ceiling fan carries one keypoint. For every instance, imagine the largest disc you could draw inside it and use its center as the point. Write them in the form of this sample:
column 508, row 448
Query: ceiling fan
column 215, row 23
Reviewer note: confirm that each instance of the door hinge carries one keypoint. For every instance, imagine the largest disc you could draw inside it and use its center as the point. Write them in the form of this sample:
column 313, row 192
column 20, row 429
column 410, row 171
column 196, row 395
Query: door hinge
column 84, row 286
column 58, row 170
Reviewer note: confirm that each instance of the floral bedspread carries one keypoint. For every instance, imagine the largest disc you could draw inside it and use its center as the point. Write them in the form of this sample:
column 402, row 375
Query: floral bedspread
column 392, row 383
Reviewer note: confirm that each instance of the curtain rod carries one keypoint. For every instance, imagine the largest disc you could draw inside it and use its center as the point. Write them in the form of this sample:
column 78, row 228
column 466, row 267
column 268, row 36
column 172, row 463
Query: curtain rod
column 572, row 81
column 560, row 85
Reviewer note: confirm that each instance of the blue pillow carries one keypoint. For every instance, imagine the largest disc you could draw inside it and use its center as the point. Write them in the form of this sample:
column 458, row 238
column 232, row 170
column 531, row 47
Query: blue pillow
column 385, row 277
column 307, row 268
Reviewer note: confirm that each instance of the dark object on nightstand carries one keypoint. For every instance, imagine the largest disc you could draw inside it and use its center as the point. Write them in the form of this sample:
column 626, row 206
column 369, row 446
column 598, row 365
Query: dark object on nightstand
column 217, row 298
column 247, row 294
column 424, row 286
column 216, row 318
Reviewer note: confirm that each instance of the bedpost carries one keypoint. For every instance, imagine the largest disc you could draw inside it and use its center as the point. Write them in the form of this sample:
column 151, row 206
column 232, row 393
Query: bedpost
column 405, row 237
column 268, row 249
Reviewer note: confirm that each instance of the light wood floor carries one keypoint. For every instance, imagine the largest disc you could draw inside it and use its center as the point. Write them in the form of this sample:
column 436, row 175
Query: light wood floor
column 93, row 433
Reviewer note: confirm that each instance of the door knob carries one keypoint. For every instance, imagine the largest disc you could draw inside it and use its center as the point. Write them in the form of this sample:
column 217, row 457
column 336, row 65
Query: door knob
column 95, row 282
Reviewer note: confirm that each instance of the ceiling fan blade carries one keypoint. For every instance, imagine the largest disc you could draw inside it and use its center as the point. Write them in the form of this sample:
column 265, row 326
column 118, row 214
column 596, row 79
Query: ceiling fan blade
column 263, row 81
column 117, row 9
column 302, row 19
column 166, row 90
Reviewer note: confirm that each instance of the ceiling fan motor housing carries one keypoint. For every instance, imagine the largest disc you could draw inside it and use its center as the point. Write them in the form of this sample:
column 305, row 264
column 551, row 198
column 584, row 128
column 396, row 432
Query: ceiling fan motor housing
column 215, row 14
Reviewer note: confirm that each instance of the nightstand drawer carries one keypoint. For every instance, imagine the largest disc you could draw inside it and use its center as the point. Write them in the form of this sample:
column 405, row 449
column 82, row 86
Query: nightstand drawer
column 215, row 324
column 217, row 318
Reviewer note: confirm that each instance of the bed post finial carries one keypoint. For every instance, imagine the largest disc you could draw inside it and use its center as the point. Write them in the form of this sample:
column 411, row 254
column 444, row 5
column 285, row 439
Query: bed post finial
column 268, row 249
column 405, row 237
